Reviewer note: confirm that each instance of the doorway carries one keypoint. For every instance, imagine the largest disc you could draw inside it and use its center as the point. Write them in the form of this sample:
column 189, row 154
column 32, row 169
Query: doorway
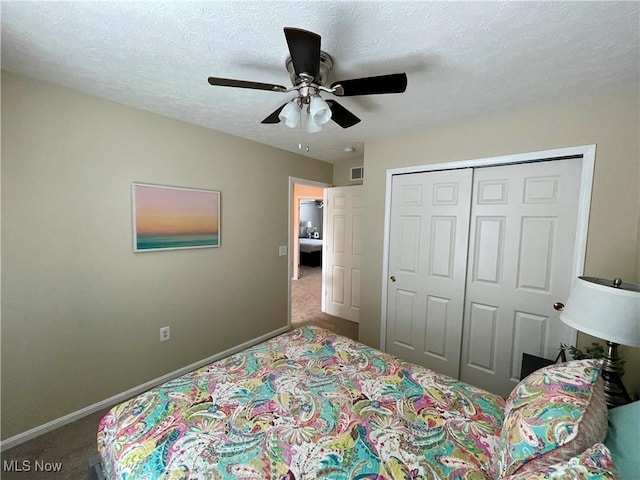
column 306, row 239
column 306, row 242
column 306, row 289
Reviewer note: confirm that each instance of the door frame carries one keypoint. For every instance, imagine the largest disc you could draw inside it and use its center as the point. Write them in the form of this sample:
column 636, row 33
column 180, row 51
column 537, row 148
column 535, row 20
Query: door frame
column 587, row 153
column 311, row 183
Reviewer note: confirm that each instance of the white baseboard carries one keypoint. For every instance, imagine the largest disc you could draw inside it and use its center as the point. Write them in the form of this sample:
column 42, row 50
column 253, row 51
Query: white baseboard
column 121, row 397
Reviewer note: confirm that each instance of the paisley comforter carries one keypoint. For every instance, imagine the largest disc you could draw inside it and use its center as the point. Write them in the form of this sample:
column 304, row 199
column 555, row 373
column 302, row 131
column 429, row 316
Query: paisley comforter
column 307, row 404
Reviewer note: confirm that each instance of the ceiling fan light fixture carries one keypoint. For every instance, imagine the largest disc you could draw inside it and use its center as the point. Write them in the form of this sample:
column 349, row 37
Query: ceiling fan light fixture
column 312, row 125
column 319, row 111
column 290, row 114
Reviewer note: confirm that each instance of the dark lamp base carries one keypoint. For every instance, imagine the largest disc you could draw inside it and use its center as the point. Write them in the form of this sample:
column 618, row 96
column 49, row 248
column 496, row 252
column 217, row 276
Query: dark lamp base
column 614, row 392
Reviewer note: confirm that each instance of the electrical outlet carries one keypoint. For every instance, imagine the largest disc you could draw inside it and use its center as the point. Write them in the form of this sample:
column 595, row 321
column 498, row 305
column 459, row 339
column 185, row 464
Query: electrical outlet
column 165, row 334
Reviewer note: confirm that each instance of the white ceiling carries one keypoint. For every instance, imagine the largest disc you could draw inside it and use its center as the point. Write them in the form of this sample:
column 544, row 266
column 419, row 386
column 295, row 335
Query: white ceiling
column 461, row 58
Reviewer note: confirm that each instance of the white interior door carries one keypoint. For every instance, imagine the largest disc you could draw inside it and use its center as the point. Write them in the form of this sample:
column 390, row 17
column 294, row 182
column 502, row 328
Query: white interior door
column 427, row 267
column 342, row 251
column 521, row 251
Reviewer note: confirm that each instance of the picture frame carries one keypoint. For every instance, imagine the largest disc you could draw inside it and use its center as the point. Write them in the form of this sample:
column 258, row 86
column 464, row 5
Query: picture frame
column 174, row 218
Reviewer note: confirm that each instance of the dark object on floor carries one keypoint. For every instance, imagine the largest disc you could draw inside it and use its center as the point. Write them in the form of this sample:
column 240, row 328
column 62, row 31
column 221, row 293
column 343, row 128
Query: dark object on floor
column 531, row 363
column 311, row 259
column 95, row 468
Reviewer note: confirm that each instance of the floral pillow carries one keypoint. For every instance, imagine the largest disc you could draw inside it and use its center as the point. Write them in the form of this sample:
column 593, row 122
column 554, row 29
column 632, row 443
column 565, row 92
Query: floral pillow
column 552, row 415
column 594, row 464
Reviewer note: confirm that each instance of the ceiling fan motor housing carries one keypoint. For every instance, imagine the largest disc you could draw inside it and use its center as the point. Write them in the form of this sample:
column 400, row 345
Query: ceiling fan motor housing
column 326, row 63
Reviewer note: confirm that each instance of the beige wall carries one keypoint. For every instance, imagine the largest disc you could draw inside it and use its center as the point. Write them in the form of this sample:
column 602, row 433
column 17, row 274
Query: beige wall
column 609, row 119
column 342, row 172
column 80, row 311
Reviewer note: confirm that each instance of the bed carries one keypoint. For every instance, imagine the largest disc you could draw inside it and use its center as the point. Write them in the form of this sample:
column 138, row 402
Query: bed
column 310, row 404
column 311, row 252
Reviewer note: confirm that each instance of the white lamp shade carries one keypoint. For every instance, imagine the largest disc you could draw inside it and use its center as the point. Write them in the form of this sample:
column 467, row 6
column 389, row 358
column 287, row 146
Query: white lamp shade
column 319, row 111
column 599, row 309
column 290, row 114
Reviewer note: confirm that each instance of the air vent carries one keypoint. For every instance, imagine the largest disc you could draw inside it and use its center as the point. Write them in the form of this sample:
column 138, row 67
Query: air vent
column 357, row 173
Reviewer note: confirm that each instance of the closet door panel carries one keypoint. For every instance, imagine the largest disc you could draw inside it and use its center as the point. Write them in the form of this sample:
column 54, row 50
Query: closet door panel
column 523, row 228
column 536, row 253
column 442, row 254
column 427, row 263
column 403, row 310
column 529, row 334
column 435, row 339
column 489, row 249
column 481, row 343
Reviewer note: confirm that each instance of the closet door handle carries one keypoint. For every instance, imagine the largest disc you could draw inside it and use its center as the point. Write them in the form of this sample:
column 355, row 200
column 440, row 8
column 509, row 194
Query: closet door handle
column 392, row 278
column 558, row 306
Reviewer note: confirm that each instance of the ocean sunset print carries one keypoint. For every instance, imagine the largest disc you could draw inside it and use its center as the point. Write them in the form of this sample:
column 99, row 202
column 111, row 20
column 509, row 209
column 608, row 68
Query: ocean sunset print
column 169, row 218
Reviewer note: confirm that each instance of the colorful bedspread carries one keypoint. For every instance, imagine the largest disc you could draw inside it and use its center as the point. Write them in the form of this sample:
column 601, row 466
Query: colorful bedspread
column 307, row 404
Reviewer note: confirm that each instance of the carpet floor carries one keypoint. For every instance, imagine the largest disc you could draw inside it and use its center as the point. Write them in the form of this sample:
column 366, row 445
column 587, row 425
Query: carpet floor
column 67, row 449
column 306, row 293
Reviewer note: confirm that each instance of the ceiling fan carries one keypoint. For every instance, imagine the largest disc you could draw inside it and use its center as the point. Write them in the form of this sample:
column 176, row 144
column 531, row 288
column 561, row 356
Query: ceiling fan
column 308, row 68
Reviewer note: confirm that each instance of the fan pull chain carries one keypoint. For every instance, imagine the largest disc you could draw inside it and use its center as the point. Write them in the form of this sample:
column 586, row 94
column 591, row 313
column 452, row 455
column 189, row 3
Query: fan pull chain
column 302, row 130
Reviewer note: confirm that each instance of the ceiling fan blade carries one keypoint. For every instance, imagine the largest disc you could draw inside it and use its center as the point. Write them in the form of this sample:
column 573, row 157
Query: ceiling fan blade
column 273, row 117
column 229, row 82
column 394, row 83
column 304, row 48
column 341, row 115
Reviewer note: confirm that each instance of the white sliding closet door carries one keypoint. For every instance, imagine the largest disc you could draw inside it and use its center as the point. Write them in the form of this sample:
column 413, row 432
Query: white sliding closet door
column 521, row 252
column 476, row 259
column 427, row 266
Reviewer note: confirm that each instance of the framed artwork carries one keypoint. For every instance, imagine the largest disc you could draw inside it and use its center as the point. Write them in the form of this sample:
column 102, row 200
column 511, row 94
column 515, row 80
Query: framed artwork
column 172, row 218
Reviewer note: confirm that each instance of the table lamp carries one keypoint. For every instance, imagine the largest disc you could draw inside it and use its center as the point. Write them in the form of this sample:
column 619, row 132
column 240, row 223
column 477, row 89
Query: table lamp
column 607, row 309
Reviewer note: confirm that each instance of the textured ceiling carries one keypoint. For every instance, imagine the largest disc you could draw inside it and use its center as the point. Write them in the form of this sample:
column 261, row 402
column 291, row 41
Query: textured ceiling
column 461, row 58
